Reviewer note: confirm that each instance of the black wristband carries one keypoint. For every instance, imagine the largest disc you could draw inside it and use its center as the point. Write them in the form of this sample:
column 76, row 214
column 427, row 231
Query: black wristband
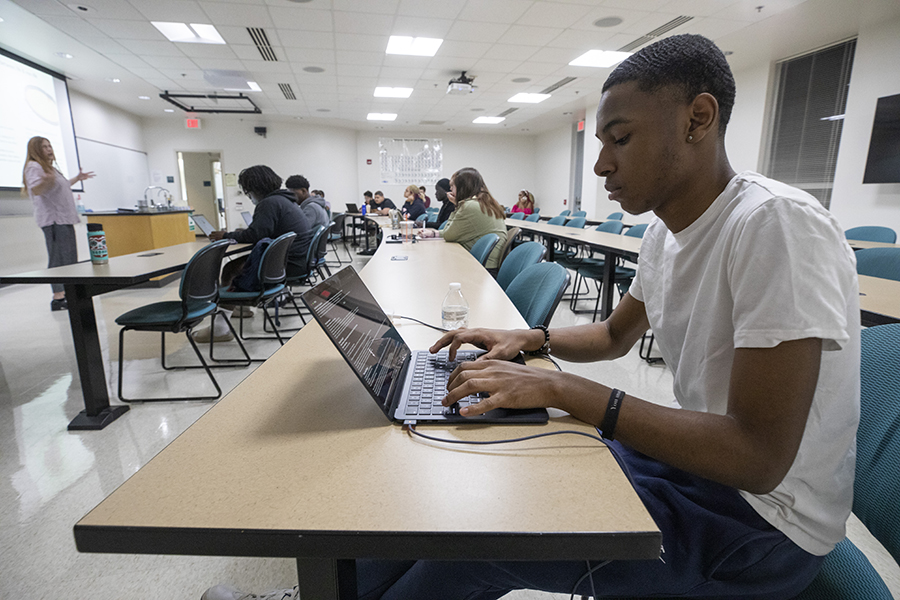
column 545, row 347
column 608, row 426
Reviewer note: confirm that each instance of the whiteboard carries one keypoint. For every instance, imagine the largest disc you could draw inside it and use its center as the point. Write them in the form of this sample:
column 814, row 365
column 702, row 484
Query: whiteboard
column 121, row 175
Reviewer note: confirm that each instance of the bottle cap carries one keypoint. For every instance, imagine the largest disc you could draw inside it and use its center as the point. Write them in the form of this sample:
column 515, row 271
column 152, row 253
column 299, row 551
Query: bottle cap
column 95, row 226
column 455, row 286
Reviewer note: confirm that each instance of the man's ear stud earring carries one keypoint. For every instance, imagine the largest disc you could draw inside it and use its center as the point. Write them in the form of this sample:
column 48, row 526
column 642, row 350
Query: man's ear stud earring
column 690, row 138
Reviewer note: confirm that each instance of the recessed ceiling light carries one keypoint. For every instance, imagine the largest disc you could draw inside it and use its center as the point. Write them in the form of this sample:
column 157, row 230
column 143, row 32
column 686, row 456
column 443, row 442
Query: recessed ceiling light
column 114, row 79
column 323, row 110
column 381, row 116
column 608, row 22
column 314, row 69
column 143, row 97
column 489, row 120
column 599, row 58
column 413, row 46
column 521, row 80
column 393, row 92
column 61, row 54
column 529, row 98
column 168, row 110
column 82, row 8
column 195, row 33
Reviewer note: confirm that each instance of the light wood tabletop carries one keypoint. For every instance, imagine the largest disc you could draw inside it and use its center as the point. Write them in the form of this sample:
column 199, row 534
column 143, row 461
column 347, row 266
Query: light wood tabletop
column 85, row 280
column 299, row 461
column 860, row 244
column 879, row 300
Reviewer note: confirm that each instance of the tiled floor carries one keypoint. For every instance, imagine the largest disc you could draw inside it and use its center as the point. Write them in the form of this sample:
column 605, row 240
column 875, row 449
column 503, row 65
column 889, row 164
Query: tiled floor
column 49, row 477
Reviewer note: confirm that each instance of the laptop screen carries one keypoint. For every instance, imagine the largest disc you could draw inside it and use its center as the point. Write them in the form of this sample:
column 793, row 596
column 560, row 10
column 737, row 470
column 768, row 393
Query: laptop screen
column 361, row 331
column 248, row 218
column 204, row 225
column 352, row 208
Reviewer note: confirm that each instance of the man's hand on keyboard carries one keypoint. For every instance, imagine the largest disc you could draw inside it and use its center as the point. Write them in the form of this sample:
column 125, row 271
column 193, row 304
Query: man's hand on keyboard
column 507, row 384
column 500, row 344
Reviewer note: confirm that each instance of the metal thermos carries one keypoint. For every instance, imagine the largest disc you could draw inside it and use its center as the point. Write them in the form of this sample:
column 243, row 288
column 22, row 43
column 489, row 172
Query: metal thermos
column 97, row 244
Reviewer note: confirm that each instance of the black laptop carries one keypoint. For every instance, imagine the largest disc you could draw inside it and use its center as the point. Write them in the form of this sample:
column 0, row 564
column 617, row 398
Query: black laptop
column 352, row 208
column 407, row 385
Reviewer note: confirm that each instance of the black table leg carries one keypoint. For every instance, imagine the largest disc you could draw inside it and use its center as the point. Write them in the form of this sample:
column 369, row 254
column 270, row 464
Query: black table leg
column 97, row 412
column 606, row 289
column 368, row 251
column 327, row 578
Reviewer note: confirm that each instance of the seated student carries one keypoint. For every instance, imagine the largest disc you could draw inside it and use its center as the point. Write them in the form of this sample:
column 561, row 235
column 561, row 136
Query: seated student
column 441, row 188
column 312, row 204
column 367, row 199
column 525, row 203
column 424, row 196
column 414, row 207
column 477, row 213
column 751, row 291
column 275, row 214
column 380, row 205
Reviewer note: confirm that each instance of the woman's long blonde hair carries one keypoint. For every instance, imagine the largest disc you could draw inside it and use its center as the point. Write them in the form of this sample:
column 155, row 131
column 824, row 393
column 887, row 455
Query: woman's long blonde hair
column 529, row 199
column 469, row 183
column 415, row 191
column 36, row 154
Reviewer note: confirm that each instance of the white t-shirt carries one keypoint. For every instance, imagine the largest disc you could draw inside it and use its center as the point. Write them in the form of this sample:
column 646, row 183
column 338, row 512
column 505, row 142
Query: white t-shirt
column 766, row 263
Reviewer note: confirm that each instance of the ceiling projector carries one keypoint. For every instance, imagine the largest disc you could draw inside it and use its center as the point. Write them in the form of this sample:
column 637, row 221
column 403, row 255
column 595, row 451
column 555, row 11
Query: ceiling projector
column 461, row 85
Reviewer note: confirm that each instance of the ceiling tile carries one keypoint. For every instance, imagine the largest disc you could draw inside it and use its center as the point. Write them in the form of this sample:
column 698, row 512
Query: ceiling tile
column 129, row 61
column 487, row 64
column 359, row 58
column 398, row 74
column 75, row 27
column 457, row 49
column 170, row 62
column 206, row 50
column 109, row 9
column 145, row 48
column 496, row 11
column 221, row 64
column 306, row 39
column 297, row 17
column 44, row 8
column 546, row 14
column 628, row 17
column 471, row 31
column 581, row 41
column 241, row 15
column 177, row 11
column 104, row 45
column 529, row 35
column 713, row 28
column 363, row 23
column 387, row 7
column 128, row 30
column 445, row 9
column 421, row 27
column 510, row 52
column 350, row 70
column 361, row 42
column 146, row 72
column 351, row 81
column 249, row 52
column 262, row 66
column 310, row 56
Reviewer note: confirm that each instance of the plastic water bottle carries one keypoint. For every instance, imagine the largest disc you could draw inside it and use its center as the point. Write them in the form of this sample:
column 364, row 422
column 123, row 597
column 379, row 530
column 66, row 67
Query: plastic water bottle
column 362, row 210
column 455, row 309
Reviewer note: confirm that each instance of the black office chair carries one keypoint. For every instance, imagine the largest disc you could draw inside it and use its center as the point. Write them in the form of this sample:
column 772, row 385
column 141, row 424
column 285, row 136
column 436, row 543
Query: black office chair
column 199, row 292
column 336, row 234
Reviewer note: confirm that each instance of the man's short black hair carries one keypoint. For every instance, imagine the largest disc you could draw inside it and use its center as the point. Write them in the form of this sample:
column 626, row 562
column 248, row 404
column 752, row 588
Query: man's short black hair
column 259, row 180
column 690, row 62
column 367, row 194
column 297, row 182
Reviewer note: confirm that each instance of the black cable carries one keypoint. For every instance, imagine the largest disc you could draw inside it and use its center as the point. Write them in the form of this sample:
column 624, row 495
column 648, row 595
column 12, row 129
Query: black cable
column 421, row 323
column 590, row 573
column 412, row 428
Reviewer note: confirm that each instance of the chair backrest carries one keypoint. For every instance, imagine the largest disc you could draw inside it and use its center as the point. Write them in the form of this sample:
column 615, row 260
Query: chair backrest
column 200, row 279
column 312, row 253
column 422, row 218
column 610, row 226
column 876, row 491
column 879, row 262
column 536, row 292
column 536, row 209
column 322, row 242
column 872, row 233
column 636, row 230
column 517, row 215
column 442, row 225
column 337, row 224
column 616, row 216
column 576, row 222
column 482, row 248
column 273, row 266
column 511, row 234
column 533, row 218
column 521, row 257
column 557, row 220
column 565, row 213
column 579, row 213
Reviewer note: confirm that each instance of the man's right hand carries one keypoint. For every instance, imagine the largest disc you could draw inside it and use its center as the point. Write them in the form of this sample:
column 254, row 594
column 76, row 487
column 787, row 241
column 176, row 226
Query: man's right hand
column 217, row 235
column 500, row 344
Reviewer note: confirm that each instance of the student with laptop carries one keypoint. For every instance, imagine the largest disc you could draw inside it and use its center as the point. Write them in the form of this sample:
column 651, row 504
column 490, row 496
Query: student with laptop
column 312, row 204
column 751, row 291
column 276, row 213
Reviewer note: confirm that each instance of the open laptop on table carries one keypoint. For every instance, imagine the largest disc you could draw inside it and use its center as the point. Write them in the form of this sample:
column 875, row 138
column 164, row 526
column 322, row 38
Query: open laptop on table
column 407, row 385
column 248, row 218
column 352, row 208
column 204, row 225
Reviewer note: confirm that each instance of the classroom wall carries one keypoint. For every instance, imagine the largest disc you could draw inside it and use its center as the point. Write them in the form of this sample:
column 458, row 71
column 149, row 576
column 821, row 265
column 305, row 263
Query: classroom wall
column 21, row 240
column 507, row 162
column 553, row 150
column 324, row 155
column 876, row 73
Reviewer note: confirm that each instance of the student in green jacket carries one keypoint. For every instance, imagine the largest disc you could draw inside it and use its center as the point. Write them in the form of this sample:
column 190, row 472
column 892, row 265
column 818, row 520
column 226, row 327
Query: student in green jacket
column 477, row 213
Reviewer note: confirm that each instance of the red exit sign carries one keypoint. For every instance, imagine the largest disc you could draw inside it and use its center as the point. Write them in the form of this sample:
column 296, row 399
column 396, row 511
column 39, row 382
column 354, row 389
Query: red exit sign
column 580, row 125
column 192, row 123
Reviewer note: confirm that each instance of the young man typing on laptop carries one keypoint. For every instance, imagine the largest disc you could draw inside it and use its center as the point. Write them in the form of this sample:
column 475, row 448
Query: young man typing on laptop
column 751, row 291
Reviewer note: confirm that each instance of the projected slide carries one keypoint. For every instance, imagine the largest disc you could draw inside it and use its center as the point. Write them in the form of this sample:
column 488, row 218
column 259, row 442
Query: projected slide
column 32, row 103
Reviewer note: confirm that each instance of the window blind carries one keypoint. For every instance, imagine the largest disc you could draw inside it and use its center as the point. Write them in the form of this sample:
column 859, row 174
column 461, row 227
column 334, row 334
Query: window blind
column 808, row 117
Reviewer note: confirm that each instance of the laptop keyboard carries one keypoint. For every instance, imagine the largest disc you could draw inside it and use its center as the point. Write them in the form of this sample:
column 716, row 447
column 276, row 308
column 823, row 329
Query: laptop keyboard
column 429, row 384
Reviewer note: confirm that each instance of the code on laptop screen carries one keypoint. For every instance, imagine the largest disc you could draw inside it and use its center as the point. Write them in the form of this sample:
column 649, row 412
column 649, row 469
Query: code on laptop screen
column 361, row 331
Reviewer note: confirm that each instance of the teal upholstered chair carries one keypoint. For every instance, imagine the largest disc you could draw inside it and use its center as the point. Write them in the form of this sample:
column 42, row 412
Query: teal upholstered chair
column 536, row 292
column 579, row 213
column 872, row 233
column 483, row 247
column 199, row 293
column 272, row 276
column 517, row 216
column 533, row 218
column 584, row 256
column 557, row 220
column 616, row 216
column 444, row 224
column 522, row 256
column 512, row 240
column 565, row 213
column 879, row 262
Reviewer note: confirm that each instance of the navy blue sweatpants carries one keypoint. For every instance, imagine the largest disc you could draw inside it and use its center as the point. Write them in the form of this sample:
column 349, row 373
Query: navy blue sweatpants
column 714, row 545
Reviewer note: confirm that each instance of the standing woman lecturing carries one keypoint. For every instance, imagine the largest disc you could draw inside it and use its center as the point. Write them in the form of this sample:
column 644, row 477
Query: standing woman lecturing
column 54, row 208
